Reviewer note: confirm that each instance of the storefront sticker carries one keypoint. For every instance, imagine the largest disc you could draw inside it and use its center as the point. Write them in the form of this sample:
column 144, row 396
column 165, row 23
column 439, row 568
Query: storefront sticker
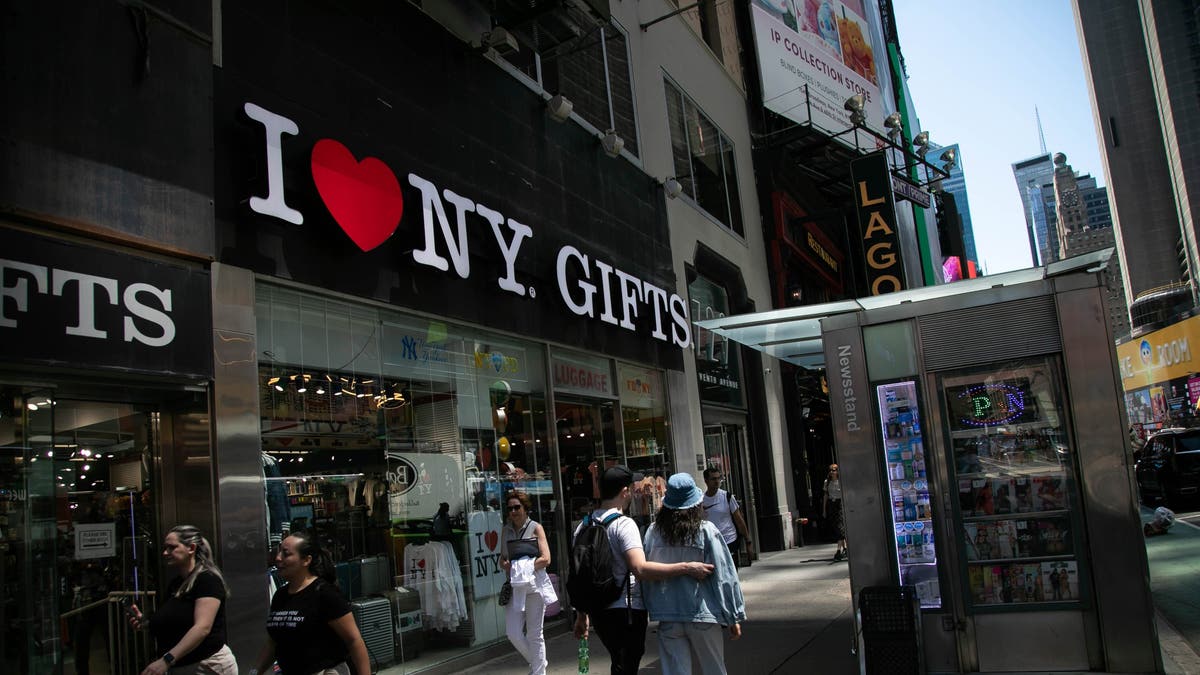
column 95, row 540
column 577, row 376
column 365, row 199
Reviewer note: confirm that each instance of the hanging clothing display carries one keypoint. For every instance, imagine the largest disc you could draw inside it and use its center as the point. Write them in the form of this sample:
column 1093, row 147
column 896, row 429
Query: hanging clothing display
column 483, row 543
column 432, row 570
column 278, row 508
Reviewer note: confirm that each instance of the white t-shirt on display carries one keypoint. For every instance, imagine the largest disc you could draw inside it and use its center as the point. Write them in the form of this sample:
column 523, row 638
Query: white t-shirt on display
column 719, row 509
column 623, row 535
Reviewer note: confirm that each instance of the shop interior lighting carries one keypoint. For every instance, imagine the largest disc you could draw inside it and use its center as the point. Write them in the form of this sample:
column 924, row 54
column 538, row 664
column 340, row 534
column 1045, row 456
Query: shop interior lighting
column 613, row 144
column 559, row 108
column 855, row 105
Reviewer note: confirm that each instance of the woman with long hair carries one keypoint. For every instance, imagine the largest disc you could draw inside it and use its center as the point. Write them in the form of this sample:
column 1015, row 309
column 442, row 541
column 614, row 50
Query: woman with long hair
column 691, row 612
column 832, row 499
column 310, row 628
column 525, row 555
column 189, row 627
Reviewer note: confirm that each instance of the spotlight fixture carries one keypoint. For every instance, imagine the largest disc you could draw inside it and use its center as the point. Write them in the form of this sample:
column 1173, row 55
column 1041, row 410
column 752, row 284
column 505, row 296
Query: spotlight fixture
column 559, row 107
column 921, row 141
column 855, row 105
column 501, row 40
column 894, row 125
column 301, row 380
column 672, row 187
column 949, row 157
column 275, row 382
column 613, row 144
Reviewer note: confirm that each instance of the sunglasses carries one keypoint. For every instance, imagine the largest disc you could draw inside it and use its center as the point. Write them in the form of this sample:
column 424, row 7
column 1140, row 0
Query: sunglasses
column 515, row 507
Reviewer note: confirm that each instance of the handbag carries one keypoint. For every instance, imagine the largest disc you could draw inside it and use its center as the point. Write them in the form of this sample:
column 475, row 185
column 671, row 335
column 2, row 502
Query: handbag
column 505, row 593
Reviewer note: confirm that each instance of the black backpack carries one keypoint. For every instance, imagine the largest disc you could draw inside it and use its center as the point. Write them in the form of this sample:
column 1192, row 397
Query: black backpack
column 591, row 583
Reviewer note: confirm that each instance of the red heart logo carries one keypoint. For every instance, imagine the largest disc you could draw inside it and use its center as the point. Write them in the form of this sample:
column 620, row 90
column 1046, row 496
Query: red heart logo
column 363, row 197
column 491, row 538
column 421, row 563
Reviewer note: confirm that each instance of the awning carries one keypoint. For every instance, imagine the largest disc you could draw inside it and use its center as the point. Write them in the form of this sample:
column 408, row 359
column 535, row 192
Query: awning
column 794, row 334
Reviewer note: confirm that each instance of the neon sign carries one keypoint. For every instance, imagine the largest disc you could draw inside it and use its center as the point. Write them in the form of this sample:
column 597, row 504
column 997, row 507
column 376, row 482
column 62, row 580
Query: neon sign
column 992, row 404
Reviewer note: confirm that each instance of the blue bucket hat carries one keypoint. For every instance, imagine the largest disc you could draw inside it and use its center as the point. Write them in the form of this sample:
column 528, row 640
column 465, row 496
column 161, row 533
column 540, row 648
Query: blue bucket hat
column 682, row 492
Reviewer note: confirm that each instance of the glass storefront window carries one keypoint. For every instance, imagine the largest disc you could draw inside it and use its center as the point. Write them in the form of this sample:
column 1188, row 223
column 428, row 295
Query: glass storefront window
column 394, row 439
column 1014, row 465
column 647, row 443
column 602, row 421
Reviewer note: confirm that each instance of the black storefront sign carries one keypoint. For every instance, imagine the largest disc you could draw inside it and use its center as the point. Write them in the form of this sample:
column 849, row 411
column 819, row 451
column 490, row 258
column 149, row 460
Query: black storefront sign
column 446, row 191
column 877, row 223
column 67, row 304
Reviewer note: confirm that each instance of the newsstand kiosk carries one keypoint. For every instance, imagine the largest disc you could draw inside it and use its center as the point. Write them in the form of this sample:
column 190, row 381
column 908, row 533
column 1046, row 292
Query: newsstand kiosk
column 985, row 465
column 985, row 471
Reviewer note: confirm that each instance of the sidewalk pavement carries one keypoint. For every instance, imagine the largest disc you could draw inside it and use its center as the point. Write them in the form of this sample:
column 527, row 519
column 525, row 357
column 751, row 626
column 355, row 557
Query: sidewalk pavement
column 799, row 620
column 1175, row 586
column 799, row 615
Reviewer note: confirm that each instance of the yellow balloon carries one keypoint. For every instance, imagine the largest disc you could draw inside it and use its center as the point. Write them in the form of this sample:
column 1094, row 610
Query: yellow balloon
column 504, row 447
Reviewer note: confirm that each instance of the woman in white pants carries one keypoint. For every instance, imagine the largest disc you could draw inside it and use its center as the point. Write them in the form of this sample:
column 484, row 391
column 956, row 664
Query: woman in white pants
column 525, row 555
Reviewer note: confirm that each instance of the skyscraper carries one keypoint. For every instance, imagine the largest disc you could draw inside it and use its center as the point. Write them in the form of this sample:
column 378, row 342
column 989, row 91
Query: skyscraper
column 1031, row 174
column 956, row 185
column 1140, row 59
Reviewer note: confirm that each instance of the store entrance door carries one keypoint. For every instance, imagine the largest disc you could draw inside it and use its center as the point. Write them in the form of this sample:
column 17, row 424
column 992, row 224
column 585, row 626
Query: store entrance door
column 77, row 532
column 725, row 449
column 30, row 639
column 587, row 444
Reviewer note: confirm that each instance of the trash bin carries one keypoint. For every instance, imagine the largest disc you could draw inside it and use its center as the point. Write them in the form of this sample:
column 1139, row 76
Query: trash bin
column 890, row 617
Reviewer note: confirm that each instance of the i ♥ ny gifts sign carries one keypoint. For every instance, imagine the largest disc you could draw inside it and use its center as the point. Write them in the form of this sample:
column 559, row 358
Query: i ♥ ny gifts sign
column 423, row 227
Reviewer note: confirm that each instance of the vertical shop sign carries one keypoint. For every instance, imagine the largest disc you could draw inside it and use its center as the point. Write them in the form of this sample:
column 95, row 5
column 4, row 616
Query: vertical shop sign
column 877, row 221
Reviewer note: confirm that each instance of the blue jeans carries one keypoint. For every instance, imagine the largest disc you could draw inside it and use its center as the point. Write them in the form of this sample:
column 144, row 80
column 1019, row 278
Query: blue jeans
column 677, row 640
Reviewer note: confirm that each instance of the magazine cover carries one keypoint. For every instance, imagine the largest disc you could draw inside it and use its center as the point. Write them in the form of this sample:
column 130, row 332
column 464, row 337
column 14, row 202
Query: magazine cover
column 1060, row 580
column 979, row 579
column 971, row 539
column 1048, row 493
column 1005, row 495
column 966, row 498
column 1027, row 542
column 1023, row 489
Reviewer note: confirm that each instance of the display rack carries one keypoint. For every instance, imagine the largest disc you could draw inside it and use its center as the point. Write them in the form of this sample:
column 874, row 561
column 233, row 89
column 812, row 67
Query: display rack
column 908, row 487
column 1015, row 490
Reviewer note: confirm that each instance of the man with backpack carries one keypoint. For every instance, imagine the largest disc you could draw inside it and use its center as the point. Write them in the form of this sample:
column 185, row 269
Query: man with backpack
column 607, row 560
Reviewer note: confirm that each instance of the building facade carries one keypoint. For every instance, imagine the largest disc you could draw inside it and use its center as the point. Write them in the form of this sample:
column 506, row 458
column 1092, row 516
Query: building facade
column 1031, row 176
column 363, row 274
column 1143, row 88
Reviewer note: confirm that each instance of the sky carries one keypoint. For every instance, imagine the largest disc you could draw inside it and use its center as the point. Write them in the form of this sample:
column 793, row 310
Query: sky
column 976, row 71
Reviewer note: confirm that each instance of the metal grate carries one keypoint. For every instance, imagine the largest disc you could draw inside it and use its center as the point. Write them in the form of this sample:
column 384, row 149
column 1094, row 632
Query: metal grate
column 975, row 335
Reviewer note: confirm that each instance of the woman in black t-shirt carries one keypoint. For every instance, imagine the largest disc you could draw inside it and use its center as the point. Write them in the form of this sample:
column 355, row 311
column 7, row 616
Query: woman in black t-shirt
column 189, row 627
column 310, row 628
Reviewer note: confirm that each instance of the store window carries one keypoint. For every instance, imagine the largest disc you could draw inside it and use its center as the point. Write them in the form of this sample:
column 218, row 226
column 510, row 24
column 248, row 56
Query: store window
column 603, row 420
column 703, row 158
column 394, row 439
column 1014, row 463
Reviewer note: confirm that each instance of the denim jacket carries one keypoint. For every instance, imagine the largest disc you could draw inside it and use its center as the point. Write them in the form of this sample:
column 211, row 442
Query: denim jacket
column 717, row 599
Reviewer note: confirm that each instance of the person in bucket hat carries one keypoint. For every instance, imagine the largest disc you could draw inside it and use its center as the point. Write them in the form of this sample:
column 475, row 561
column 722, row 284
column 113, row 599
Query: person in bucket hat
column 691, row 612
column 622, row 625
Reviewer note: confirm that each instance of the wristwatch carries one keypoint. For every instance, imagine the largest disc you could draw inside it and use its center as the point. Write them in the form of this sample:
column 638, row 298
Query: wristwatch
column 168, row 659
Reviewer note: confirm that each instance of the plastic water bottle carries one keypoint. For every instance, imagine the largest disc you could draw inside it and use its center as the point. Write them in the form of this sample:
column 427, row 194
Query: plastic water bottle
column 583, row 655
